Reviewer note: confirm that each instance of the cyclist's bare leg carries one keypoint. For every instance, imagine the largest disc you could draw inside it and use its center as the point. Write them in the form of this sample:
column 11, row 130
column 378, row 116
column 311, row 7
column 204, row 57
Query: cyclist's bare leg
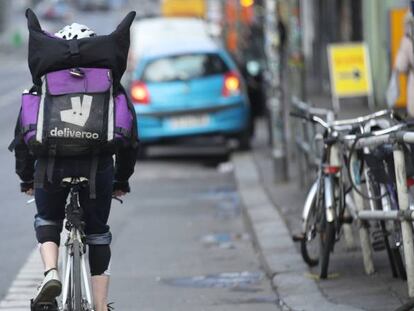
column 50, row 253
column 100, row 285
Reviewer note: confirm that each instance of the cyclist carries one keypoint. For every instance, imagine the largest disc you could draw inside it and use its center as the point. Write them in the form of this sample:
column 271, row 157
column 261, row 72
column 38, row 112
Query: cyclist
column 111, row 180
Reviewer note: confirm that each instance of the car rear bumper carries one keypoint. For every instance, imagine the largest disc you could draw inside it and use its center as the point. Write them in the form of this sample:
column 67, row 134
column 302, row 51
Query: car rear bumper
column 223, row 120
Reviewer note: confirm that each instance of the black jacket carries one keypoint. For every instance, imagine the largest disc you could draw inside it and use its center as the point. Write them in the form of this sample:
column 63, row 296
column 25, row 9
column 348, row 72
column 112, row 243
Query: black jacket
column 125, row 160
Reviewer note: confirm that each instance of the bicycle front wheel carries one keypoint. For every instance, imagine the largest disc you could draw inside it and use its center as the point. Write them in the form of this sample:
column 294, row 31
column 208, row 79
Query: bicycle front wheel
column 309, row 245
column 327, row 241
column 77, row 285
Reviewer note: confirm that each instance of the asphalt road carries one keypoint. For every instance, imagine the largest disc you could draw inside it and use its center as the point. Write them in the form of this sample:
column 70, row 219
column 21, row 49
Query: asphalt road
column 179, row 239
column 16, row 221
column 180, row 243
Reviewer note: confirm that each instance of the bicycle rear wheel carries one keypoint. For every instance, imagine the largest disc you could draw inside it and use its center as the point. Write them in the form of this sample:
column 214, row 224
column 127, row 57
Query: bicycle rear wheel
column 76, row 285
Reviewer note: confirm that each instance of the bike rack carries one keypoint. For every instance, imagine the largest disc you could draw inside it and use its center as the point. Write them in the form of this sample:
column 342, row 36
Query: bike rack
column 403, row 215
column 364, row 237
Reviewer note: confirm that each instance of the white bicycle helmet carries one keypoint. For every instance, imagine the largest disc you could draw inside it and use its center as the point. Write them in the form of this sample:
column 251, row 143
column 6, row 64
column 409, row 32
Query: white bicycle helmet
column 75, row 31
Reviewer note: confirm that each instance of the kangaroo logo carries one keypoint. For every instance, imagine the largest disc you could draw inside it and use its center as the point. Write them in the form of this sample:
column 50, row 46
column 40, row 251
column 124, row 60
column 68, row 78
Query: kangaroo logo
column 79, row 113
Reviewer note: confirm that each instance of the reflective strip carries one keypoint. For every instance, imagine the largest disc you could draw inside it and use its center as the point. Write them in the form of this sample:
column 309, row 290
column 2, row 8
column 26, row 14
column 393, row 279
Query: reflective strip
column 99, row 238
column 111, row 117
column 39, row 130
column 39, row 222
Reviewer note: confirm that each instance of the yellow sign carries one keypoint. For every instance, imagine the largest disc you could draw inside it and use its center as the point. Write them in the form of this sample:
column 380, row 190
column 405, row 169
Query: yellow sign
column 396, row 34
column 349, row 70
column 187, row 8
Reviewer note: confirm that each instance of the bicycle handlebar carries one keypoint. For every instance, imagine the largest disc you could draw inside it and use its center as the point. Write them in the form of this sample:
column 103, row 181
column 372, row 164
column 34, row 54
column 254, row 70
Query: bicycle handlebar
column 346, row 124
column 363, row 119
column 311, row 118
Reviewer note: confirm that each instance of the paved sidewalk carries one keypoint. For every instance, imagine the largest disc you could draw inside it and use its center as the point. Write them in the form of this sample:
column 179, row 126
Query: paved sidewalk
column 272, row 238
column 274, row 213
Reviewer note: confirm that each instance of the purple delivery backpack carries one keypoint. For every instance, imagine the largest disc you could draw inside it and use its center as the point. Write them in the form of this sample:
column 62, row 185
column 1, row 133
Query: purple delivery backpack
column 76, row 114
column 77, row 105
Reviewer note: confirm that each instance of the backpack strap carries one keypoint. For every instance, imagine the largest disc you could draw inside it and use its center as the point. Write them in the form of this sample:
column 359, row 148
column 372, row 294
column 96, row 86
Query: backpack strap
column 92, row 174
column 51, row 163
column 40, row 172
column 74, row 50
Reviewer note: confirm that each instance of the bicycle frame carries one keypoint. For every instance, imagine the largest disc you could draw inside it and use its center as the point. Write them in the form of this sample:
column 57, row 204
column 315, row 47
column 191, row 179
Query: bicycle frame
column 331, row 167
column 76, row 235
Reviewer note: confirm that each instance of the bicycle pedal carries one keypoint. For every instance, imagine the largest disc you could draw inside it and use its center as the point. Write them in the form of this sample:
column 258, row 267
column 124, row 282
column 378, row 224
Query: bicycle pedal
column 298, row 237
column 378, row 246
column 378, row 240
column 44, row 306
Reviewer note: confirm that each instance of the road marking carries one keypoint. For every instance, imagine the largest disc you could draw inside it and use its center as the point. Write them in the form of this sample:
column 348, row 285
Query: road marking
column 24, row 286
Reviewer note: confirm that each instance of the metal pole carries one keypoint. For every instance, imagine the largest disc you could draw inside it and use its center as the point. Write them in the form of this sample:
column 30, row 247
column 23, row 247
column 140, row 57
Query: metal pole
column 363, row 229
column 406, row 226
column 272, row 44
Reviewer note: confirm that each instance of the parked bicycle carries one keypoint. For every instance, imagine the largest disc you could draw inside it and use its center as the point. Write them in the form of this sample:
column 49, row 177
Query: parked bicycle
column 324, row 211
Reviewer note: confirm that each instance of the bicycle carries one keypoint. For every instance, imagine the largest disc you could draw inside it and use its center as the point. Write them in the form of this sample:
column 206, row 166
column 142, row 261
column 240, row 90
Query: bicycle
column 324, row 211
column 76, row 293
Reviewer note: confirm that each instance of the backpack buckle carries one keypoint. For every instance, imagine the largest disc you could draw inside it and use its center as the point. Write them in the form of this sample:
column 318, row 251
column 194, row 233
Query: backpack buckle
column 77, row 72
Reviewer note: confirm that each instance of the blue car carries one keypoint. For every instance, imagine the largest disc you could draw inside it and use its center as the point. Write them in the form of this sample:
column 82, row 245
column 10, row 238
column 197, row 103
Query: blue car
column 190, row 89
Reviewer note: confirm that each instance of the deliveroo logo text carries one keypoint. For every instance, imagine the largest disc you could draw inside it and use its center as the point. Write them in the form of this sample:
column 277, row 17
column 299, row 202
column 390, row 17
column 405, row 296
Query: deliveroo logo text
column 79, row 113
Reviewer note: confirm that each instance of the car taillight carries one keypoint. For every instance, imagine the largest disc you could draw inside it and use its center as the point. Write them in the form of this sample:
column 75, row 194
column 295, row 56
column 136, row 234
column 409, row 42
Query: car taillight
column 231, row 84
column 139, row 93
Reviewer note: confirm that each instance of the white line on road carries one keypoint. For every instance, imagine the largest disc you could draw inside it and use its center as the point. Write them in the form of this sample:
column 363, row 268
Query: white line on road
column 24, row 286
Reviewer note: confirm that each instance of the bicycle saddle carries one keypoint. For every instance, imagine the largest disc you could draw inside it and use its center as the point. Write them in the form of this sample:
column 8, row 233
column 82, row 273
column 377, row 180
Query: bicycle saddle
column 73, row 181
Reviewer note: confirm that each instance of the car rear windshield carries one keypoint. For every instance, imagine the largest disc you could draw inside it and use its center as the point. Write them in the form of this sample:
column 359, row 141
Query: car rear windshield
column 184, row 67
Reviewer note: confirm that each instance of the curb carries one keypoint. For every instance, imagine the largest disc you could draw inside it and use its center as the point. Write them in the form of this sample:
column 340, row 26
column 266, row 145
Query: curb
column 272, row 239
